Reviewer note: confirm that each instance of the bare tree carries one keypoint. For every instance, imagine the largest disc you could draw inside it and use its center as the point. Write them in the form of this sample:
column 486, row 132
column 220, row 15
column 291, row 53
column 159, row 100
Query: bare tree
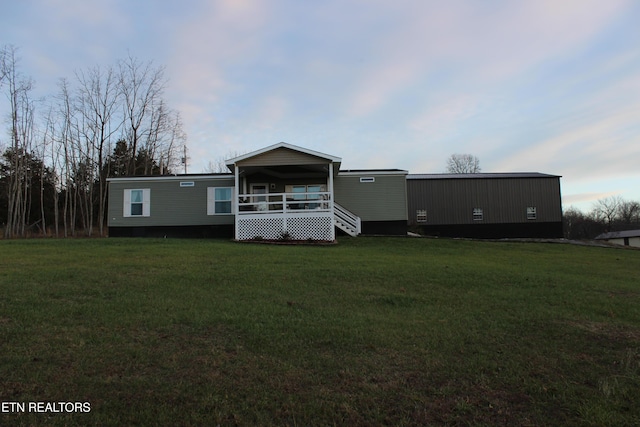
column 463, row 163
column 21, row 130
column 141, row 86
column 171, row 142
column 629, row 212
column 164, row 140
column 51, row 155
column 97, row 101
column 606, row 210
column 219, row 165
column 65, row 152
column 3, row 63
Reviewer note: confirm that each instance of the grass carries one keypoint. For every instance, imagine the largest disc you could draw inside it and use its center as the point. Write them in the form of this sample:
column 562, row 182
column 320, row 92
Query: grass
column 373, row 331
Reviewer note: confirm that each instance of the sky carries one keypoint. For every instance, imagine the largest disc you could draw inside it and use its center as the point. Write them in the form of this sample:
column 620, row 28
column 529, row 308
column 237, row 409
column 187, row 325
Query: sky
column 525, row 85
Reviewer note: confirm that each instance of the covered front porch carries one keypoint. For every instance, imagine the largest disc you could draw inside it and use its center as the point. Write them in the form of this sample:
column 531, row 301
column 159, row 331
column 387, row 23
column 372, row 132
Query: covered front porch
column 295, row 216
column 285, row 192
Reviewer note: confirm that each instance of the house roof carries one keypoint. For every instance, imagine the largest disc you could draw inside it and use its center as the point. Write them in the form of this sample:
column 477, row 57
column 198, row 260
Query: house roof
column 373, row 172
column 175, row 177
column 481, row 175
column 618, row 234
column 328, row 157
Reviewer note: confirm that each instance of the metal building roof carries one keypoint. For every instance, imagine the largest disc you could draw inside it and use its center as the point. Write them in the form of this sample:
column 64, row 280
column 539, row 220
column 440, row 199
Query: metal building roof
column 618, row 234
column 481, row 175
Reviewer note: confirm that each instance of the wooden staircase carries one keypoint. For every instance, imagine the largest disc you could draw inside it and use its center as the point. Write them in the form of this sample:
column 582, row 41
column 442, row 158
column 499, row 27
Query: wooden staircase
column 346, row 221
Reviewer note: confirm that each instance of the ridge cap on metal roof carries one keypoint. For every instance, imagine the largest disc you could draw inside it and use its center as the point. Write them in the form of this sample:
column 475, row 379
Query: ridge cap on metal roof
column 481, row 175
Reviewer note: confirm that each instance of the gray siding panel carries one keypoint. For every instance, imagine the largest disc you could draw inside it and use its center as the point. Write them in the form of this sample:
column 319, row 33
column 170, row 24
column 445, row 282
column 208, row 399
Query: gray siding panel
column 382, row 200
column 281, row 157
column 503, row 200
column 171, row 205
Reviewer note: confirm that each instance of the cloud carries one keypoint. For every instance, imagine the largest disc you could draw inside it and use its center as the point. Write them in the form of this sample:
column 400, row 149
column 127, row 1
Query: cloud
column 207, row 49
column 532, row 84
column 596, row 142
column 583, row 200
column 481, row 43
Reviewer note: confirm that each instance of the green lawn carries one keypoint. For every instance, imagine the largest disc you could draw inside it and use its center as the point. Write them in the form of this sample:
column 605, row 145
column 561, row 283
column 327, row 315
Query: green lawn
column 372, row 331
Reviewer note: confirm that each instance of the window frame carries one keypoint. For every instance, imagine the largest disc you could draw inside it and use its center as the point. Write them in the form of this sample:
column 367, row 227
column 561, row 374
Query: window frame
column 128, row 203
column 532, row 213
column 421, row 215
column 212, row 201
column 478, row 214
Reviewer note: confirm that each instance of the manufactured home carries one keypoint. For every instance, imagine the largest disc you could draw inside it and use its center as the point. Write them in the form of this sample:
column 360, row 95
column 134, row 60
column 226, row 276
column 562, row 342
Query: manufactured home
column 288, row 192
column 281, row 191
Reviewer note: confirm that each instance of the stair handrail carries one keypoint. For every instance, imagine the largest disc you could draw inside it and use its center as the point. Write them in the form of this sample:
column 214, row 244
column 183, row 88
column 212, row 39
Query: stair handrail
column 347, row 217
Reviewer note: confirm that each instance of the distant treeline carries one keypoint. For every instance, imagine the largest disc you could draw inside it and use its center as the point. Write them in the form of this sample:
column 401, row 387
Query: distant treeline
column 608, row 214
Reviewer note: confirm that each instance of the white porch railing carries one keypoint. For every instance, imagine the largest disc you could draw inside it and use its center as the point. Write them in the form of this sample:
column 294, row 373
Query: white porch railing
column 271, row 203
column 295, row 216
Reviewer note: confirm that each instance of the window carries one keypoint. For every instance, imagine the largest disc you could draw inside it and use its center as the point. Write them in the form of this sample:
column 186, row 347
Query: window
column 304, row 193
column 137, row 202
column 300, row 190
column 532, row 212
column 421, row 215
column 368, row 179
column 219, row 200
column 478, row 215
column 187, row 184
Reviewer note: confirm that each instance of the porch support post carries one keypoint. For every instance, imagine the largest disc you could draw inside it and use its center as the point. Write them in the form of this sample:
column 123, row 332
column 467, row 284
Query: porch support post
column 236, row 197
column 332, row 232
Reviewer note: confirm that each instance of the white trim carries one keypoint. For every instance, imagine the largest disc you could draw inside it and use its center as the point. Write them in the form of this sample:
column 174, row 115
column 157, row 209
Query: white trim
column 126, row 203
column 211, row 201
column 146, row 203
column 332, row 206
column 236, row 197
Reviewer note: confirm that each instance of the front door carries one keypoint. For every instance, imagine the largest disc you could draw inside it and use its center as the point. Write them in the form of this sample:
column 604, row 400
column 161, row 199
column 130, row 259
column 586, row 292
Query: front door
column 260, row 201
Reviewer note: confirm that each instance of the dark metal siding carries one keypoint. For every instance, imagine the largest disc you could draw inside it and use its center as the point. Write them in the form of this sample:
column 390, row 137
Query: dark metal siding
column 503, row 200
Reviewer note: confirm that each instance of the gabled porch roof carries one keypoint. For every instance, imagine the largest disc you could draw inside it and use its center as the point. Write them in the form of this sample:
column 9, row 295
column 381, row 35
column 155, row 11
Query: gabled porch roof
column 283, row 154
